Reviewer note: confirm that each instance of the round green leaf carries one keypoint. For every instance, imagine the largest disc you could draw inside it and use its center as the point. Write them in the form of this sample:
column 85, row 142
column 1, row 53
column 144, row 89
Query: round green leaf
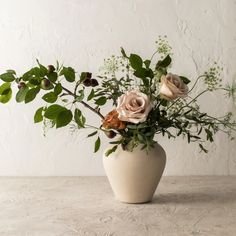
column 52, row 76
column 63, row 118
column 50, row 97
column 101, row 101
column 53, row 110
column 69, row 73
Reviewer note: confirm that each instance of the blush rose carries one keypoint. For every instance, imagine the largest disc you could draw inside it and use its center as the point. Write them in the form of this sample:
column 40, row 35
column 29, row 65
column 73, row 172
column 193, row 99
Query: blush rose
column 172, row 87
column 133, row 107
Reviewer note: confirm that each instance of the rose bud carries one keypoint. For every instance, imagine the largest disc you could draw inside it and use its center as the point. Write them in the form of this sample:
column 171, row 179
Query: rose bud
column 45, row 84
column 110, row 134
column 87, row 82
column 94, row 82
column 21, row 85
column 51, row 68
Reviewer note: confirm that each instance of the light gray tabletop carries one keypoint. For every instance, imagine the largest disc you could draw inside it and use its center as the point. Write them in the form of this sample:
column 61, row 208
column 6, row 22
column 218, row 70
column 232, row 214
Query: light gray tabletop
column 53, row 206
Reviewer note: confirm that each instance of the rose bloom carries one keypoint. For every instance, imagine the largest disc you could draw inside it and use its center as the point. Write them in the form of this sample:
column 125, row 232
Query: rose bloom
column 172, row 87
column 133, row 107
column 111, row 121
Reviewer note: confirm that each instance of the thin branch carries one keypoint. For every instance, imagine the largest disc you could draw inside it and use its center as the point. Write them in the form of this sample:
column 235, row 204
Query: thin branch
column 84, row 103
column 196, row 82
column 153, row 55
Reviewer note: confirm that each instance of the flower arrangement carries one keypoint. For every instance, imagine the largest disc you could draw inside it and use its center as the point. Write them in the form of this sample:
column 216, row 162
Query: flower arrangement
column 148, row 99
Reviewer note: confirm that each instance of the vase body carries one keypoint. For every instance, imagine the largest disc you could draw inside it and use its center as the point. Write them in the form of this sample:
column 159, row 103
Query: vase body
column 134, row 176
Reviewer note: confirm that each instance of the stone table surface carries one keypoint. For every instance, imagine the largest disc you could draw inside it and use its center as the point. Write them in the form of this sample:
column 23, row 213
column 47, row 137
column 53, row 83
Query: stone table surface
column 54, row 206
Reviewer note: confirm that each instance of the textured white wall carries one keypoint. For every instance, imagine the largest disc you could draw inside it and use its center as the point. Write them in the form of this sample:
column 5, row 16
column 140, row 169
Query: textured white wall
column 81, row 33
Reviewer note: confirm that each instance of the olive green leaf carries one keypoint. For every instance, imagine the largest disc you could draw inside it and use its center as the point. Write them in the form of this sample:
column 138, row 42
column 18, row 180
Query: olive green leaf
column 31, row 94
column 136, row 61
column 5, row 92
column 91, row 95
column 63, row 118
column 97, row 144
column 79, row 118
column 165, row 62
column 53, row 110
column 58, row 89
column 101, row 101
column 38, row 117
column 109, row 151
column 50, row 97
column 69, row 73
column 20, row 96
column 52, row 76
column 8, row 77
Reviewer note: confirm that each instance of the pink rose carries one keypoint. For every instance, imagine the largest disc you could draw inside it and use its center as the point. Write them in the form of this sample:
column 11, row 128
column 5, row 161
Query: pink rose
column 133, row 107
column 172, row 87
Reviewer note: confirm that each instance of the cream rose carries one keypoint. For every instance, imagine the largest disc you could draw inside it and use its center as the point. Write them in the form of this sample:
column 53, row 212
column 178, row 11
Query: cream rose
column 172, row 87
column 133, row 107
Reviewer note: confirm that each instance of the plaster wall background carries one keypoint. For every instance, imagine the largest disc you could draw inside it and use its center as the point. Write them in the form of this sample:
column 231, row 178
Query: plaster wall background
column 81, row 34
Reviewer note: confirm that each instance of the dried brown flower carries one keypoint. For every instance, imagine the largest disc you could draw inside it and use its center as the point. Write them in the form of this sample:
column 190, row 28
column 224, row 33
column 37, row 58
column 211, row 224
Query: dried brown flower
column 111, row 121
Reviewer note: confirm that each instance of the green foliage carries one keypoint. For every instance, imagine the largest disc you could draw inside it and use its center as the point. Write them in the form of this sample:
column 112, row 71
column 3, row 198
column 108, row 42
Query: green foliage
column 52, row 76
column 80, row 96
column 20, row 95
column 9, row 76
column 52, row 111
column 109, row 151
column 136, row 61
column 69, row 73
column 50, row 97
column 165, row 62
column 101, row 101
column 97, row 144
column 58, row 89
column 177, row 117
column 31, row 94
column 123, row 53
column 92, row 134
column 185, row 80
column 79, row 118
column 38, row 116
column 91, row 95
column 63, row 118
column 5, row 92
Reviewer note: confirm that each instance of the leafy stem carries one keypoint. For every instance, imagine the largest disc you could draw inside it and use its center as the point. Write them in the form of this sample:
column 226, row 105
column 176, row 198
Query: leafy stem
column 82, row 102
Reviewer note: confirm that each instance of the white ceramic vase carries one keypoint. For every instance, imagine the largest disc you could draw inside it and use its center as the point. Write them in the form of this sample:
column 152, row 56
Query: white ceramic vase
column 134, row 176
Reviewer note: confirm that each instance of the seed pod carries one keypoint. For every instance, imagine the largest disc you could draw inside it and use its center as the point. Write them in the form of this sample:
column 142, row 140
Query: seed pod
column 87, row 82
column 51, row 68
column 21, row 85
column 110, row 134
column 45, row 84
column 94, row 82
